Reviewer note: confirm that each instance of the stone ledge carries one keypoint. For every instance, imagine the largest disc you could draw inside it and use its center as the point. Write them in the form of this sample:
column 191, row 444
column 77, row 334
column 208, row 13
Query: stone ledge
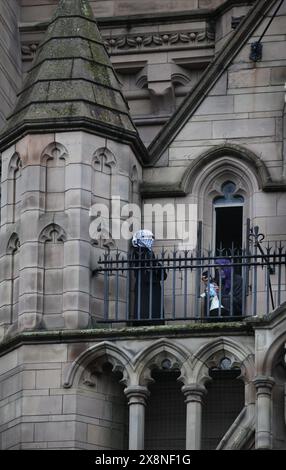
column 100, row 333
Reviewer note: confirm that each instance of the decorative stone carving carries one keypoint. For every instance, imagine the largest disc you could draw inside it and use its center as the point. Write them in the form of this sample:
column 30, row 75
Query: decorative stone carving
column 223, row 361
column 103, row 157
column 163, row 354
column 52, row 231
column 89, row 378
column 55, row 151
column 166, row 39
column 90, row 363
column 29, row 51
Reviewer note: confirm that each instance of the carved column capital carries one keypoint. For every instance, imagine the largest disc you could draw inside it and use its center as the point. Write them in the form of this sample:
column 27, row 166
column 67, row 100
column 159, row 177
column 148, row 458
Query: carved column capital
column 137, row 394
column 263, row 385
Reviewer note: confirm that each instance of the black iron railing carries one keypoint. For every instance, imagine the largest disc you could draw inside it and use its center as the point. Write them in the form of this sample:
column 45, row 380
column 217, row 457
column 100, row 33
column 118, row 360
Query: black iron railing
column 143, row 286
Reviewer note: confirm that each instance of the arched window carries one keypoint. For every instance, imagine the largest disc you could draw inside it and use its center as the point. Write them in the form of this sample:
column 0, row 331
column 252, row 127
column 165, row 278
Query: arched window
column 224, row 177
column 228, row 217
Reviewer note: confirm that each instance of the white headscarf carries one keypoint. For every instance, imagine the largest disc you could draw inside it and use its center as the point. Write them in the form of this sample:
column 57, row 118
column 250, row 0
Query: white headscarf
column 143, row 238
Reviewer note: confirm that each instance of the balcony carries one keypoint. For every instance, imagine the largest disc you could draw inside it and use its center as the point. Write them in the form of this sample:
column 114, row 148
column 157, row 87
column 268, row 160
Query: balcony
column 142, row 288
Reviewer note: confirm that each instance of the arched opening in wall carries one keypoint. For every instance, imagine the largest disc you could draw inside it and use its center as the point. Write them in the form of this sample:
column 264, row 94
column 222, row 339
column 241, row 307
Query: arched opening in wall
column 106, row 405
column 225, row 188
column 278, row 400
column 223, row 403
column 165, row 418
column 228, row 218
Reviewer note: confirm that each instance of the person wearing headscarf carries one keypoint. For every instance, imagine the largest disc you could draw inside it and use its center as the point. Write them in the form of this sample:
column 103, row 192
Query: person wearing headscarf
column 147, row 283
column 223, row 280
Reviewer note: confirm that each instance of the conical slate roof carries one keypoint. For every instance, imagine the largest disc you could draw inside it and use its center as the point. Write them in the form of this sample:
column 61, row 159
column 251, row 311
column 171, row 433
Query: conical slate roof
column 72, row 83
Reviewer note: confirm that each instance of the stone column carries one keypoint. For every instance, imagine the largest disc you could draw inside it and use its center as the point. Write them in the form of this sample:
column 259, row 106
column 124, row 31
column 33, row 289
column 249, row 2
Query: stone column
column 194, row 394
column 137, row 396
column 263, row 412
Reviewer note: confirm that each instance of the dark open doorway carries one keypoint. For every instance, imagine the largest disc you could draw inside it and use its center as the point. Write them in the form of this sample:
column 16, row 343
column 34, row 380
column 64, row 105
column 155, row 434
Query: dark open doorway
column 165, row 418
column 223, row 403
column 228, row 228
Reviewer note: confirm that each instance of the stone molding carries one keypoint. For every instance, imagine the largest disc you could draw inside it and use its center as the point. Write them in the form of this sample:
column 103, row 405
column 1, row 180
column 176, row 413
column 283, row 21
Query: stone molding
column 54, row 150
column 264, row 385
column 47, row 233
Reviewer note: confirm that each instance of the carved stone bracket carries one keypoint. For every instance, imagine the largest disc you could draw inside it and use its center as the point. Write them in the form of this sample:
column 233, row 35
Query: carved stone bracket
column 29, row 51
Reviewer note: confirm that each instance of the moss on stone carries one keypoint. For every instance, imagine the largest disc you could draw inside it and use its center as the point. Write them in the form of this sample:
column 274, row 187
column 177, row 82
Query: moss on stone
column 72, row 76
column 72, row 27
column 74, row 7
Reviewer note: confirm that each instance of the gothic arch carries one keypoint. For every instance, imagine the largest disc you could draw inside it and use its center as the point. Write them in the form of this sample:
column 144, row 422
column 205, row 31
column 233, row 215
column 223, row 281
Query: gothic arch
column 163, row 351
column 92, row 357
column 46, row 233
column 211, row 354
column 230, row 155
column 14, row 164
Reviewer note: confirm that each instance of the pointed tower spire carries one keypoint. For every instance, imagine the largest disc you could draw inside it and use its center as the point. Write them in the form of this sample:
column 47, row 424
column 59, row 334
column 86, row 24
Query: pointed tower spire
column 72, row 84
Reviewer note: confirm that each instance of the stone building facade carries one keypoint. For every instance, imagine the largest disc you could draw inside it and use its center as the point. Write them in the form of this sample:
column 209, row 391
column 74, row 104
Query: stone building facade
column 168, row 108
